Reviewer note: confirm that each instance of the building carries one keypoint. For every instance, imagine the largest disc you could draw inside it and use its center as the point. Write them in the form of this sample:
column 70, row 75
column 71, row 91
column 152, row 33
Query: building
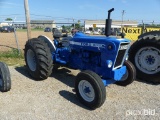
column 20, row 24
column 16, row 24
column 43, row 23
column 90, row 24
column 34, row 24
column 3, row 24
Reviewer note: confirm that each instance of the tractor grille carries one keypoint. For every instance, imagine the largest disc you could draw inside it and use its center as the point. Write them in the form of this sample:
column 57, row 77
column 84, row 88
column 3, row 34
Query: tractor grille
column 121, row 54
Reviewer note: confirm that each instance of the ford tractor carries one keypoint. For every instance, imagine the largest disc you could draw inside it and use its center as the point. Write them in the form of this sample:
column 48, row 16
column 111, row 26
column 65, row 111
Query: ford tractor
column 5, row 80
column 102, row 60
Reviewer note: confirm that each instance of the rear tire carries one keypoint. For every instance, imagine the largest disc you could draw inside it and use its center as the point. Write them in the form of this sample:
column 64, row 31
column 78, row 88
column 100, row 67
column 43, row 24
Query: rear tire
column 5, row 79
column 130, row 75
column 145, row 55
column 90, row 89
column 38, row 59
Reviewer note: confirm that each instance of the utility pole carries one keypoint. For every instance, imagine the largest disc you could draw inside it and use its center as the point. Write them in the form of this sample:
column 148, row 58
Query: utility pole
column 153, row 22
column 27, row 19
column 143, row 27
column 122, row 20
column 73, row 23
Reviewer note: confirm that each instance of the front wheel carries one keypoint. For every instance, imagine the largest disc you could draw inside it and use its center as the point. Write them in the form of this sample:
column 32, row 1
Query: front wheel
column 5, row 79
column 90, row 89
column 129, row 76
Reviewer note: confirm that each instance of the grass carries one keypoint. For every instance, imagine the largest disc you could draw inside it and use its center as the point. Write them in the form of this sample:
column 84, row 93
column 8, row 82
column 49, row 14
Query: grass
column 12, row 58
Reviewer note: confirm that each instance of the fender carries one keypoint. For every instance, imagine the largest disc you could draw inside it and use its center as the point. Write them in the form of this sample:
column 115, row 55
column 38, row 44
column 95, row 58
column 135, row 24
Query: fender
column 48, row 41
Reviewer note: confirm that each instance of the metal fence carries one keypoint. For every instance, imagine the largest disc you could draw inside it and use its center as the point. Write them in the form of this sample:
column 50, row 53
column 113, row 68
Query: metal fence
column 17, row 39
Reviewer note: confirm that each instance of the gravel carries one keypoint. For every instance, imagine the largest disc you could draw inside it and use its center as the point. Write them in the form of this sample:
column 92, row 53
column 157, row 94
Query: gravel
column 54, row 98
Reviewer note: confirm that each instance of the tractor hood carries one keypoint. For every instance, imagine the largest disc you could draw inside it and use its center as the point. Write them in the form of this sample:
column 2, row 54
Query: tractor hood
column 81, row 37
column 97, row 43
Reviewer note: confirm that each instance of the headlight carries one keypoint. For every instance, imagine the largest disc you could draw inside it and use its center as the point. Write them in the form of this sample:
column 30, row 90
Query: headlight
column 111, row 46
column 109, row 63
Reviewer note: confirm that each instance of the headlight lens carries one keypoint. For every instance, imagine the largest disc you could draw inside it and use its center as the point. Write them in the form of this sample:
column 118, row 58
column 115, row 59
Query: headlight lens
column 111, row 46
column 109, row 63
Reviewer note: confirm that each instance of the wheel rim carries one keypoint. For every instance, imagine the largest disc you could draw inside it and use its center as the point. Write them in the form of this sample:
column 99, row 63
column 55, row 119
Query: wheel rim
column 31, row 60
column 147, row 60
column 86, row 90
column 1, row 80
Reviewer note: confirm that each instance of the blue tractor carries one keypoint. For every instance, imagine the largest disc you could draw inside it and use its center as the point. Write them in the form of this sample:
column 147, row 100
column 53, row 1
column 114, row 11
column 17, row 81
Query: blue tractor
column 101, row 60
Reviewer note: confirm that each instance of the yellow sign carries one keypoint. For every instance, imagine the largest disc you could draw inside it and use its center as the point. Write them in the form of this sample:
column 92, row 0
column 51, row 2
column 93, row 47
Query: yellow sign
column 132, row 33
column 132, row 30
column 151, row 29
column 94, row 25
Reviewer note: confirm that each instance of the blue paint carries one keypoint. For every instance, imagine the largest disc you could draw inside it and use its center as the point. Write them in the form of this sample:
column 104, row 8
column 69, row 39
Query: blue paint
column 87, row 90
column 150, row 59
column 93, row 53
column 107, row 82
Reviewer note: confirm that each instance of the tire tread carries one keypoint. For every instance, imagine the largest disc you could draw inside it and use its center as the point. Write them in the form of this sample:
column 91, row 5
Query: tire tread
column 44, row 58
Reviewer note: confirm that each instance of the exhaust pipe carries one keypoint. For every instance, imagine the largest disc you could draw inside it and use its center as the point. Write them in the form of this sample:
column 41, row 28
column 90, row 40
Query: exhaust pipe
column 108, row 23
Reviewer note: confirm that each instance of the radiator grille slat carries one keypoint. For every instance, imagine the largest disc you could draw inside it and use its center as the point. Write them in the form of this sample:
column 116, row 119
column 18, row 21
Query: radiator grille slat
column 121, row 54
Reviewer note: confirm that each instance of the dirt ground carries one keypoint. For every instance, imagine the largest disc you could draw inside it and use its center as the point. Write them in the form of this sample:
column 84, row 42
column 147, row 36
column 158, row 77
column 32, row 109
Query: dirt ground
column 8, row 41
column 55, row 99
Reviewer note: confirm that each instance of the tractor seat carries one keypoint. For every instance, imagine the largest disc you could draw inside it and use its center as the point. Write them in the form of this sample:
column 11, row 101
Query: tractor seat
column 57, row 34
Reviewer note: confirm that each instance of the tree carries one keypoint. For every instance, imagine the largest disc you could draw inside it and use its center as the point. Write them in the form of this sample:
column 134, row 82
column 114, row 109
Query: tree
column 63, row 27
column 8, row 19
column 79, row 21
column 77, row 26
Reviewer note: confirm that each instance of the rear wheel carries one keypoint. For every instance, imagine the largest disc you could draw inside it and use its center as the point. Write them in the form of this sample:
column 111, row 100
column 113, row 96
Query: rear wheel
column 38, row 59
column 52, row 49
column 5, row 79
column 90, row 89
column 145, row 55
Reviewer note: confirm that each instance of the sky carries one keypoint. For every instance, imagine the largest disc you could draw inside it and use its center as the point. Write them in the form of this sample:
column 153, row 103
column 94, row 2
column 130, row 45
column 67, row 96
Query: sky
column 67, row 10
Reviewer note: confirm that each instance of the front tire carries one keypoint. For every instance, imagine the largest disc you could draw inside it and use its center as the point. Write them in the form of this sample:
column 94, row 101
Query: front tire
column 5, row 79
column 145, row 55
column 129, row 76
column 38, row 59
column 90, row 89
